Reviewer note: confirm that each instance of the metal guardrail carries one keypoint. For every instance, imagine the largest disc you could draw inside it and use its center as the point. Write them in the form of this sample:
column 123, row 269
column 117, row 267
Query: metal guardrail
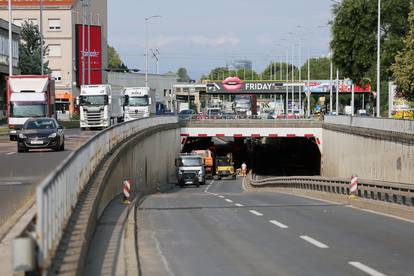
column 387, row 124
column 58, row 194
column 399, row 193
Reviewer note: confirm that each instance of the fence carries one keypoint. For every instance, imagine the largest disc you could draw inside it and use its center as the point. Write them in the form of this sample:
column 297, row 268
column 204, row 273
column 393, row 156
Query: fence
column 399, row 193
column 58, row 193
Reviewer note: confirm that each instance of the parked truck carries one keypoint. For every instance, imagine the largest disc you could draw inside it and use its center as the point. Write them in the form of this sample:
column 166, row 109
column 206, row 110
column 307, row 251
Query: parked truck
column 99, row 106
column 245, row 105
column 207, row 161
column 139, row 103
column 28, row 97
column 224, row 166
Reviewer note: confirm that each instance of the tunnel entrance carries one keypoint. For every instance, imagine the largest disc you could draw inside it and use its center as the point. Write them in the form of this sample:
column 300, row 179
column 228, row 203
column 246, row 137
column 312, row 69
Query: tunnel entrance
column 298, row 156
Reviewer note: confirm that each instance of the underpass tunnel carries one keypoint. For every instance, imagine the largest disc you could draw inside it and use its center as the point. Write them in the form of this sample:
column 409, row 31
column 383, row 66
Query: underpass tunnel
column 285, row 157
column 293, row 156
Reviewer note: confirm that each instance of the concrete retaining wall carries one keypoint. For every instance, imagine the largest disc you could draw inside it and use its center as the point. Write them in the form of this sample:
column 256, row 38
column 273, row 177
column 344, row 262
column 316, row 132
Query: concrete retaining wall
column 348, row 151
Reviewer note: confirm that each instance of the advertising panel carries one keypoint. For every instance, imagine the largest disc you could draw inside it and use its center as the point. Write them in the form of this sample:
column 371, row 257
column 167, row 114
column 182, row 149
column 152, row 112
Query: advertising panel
column 237, row 86
column 95, row 55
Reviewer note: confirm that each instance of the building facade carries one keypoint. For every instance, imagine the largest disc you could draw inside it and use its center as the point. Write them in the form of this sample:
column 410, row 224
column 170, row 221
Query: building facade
column 60, row 18
column 4, row 59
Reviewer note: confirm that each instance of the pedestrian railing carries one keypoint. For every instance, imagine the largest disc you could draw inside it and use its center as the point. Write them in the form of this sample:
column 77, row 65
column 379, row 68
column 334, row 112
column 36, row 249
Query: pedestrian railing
column 399, row 193
column 58, row 194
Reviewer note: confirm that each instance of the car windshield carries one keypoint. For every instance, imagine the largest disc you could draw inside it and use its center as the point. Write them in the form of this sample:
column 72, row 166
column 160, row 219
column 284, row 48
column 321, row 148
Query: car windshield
column 138, row 101
column 186, row 162
column 222, row 161
column 190, row 111
column 214, row 112
column 40, row 124
column 94, row 100
column 27, row 109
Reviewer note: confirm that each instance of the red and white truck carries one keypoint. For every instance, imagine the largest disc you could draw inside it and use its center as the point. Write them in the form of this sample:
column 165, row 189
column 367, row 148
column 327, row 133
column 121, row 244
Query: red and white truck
column 28, row 97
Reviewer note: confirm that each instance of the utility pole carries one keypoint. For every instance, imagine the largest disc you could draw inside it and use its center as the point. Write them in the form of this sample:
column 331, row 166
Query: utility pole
column 155, row 55
column 287, row 83
column 10, row 40
column 309, row 90
column 146, row 46
column 83, row 43
column 330, row 85
column 379, row 61
column 42, row 69
column 89, row 42
column 337, row 92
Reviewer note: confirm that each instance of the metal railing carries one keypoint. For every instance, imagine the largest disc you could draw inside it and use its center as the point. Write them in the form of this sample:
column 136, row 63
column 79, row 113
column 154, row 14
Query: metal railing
column 399, row 193
column 58, row 194
column 386, row 124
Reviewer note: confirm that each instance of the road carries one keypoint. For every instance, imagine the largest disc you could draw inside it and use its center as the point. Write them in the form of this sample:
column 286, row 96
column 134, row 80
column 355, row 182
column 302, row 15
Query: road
column 222, row 230
column 21, row 172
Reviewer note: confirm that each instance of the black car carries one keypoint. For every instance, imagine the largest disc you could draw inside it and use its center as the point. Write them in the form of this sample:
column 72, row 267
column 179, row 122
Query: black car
column 41, row 133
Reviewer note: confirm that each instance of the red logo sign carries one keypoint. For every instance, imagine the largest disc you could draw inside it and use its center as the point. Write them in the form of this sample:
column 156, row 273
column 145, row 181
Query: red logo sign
column 95, row 54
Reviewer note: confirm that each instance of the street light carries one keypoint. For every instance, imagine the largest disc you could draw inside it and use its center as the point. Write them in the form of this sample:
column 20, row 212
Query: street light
column 146, row 46
column 379, row 59
column 10, row 40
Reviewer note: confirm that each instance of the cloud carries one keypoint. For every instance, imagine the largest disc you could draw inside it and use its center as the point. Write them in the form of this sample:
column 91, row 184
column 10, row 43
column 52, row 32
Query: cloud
column 265, row 39
column 200, row 40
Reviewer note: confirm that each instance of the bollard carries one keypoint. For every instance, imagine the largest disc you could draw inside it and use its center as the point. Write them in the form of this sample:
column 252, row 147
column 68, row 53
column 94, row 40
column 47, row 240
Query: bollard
column 126, row 190
column 354, row 186
column 23, row 255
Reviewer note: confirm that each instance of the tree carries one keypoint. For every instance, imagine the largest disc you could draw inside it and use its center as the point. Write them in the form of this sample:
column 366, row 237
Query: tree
column 268, row 73
column 183, row 75
column 354, row 31
column 30, row 51
column 114, row 59
column 403, row 68
column 320, row 69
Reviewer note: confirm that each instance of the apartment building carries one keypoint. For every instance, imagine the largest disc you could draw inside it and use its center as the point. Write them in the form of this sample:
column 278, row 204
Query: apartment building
column 60, row 18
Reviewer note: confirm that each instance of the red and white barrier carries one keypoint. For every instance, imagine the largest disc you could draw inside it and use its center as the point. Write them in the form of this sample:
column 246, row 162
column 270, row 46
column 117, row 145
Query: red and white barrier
column 354, row 185
column 126, row 190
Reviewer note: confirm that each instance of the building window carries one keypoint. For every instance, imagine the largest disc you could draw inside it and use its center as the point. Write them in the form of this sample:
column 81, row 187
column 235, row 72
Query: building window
column 57, row 75
column 165, row 92
column 55, row 50
column 18, row 22
column 54, row 25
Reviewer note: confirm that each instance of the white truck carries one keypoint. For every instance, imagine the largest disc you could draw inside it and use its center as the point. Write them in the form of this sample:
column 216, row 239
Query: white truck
column 28, row 97
column 99, row 106
column 139, row 103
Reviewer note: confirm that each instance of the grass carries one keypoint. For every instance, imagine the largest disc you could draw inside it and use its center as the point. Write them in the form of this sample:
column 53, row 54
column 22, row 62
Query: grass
column 4, row 130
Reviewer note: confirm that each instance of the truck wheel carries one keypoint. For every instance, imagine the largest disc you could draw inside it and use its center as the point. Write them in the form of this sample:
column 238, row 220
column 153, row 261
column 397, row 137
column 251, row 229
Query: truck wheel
column 21, row 149
column 12, row 138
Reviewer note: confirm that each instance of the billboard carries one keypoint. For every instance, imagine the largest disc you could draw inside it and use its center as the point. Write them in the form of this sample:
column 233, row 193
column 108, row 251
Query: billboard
column 95, row 54
column 345, row 86
column 237, row 86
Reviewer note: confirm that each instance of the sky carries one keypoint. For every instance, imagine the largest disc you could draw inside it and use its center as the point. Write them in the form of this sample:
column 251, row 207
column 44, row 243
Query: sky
column 202, row 35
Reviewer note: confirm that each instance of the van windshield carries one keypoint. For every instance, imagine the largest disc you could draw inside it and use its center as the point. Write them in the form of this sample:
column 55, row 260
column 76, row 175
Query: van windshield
column 187, row 162
column 138, row 101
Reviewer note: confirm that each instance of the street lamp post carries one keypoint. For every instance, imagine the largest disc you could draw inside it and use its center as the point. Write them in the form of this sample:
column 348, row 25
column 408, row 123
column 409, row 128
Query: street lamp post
column 379, row 60
column 10, row 40
column 42, row 69
column 146, row 46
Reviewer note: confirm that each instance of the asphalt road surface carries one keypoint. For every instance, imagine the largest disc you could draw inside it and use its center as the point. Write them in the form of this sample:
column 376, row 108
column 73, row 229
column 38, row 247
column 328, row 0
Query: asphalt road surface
column 221, row 230
column 20, row 173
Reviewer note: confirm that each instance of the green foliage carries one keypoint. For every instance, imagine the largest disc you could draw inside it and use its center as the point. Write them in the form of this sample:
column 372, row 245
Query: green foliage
column 354, row 31
column 269, row 72
column 403, row 68
column 30, row 51
column 320, row 69
column 221, row 73
column 114, row 59
column 183, row 75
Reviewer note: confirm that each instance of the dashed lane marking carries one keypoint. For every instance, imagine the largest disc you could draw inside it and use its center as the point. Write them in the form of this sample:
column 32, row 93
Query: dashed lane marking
column 229, row 200
column 366, row 269
column 314, row 242
column 278, row 224
column 220, row 196
column 239, row 205
column 10, row 153
column 254, row 212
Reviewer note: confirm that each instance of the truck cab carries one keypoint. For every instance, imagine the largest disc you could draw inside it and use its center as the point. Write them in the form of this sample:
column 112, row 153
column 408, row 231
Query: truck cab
column 225, row 166
column 138, row 103
column 28, row 97
column 99, row 106
column 190, row 170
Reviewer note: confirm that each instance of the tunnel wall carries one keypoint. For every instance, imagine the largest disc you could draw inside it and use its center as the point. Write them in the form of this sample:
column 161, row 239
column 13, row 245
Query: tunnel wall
column 371, row 154
column 148, row 161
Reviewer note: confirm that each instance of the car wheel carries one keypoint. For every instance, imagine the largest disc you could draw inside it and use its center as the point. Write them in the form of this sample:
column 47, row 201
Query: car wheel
column 21, row 149
column 62, row 147
column 198, row 184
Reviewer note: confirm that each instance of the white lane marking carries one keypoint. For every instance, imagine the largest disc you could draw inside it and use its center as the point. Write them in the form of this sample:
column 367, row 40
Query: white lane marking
column 10, row 153
column 239, row 205
column 278, row 224
column 208, row 187
column 160, row 253
column 366, row 269
column 229, row 200
column 10, row 183
column 314, row 242
column 254, row 212
column 220, row 196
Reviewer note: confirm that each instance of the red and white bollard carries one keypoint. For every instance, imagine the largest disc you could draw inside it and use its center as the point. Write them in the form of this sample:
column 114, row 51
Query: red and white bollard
column 354, row 186
column 126, row 190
